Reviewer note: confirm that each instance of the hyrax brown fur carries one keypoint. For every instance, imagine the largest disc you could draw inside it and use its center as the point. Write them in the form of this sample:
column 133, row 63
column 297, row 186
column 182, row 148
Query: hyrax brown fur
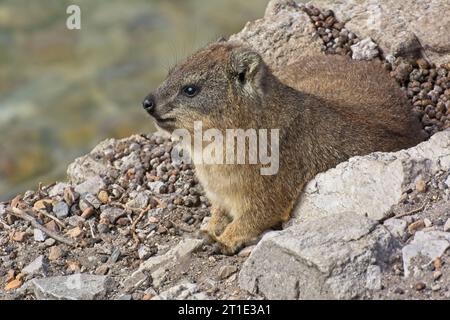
column 328, row 109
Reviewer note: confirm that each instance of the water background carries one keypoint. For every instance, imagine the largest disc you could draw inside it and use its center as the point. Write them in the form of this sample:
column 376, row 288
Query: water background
column 63, row 91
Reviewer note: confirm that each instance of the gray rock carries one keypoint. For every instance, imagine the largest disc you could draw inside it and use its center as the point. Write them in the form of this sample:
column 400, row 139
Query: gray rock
column 57, row 189
column 388, row 21
column 140, row 201
column 144, row 252
column 61, row 209
column 183, row 291
column 111, row 213
column 373, row 279
column 73, row 287
column 397, row 227
column 156, row 265
column 426, row 243
column 93, row 200
column 282, row 36
column 130, row 161
column 372, row 184
column 447, row 225
column 38, row 265
column 135, row 280
column 91, row 185
column 365, row 49
column 447, row 182
column 39, row 235
column 75, row 221
column 226, row 271
column 155, row 186
column 2, row 209
column 331, row 257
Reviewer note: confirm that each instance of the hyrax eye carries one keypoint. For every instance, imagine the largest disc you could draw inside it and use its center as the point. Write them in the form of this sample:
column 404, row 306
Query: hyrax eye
column 190, row 91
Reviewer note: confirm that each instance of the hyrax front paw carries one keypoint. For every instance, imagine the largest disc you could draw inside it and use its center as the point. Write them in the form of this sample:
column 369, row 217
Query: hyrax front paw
column 230, row 248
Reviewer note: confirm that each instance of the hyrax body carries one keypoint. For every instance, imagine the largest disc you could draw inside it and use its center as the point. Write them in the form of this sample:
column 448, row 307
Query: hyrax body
column 327, row 108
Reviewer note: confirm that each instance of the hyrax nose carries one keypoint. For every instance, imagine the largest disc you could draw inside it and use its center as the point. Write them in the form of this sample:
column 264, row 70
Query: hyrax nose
column 149, row 104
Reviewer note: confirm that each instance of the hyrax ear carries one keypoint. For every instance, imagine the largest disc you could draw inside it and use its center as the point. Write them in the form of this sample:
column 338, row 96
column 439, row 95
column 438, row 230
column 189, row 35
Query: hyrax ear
column 246, row 67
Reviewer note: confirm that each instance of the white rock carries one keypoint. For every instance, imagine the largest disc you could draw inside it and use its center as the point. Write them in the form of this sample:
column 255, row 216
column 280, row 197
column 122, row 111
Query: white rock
column 365, row 49
column 431, row 244
column 92, row 185
column 372, row 184
column 397, row 227
column 447, row 225
column 39, row 235
column 155, row 186
column 61, row 209
column 373, row 278
column 57, row 189
column 183, row 291
column 38, row 265
column 331, row 257
column 73, row 287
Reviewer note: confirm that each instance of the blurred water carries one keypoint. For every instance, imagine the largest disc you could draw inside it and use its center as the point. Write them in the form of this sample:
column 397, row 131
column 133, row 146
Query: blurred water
column 62, row 91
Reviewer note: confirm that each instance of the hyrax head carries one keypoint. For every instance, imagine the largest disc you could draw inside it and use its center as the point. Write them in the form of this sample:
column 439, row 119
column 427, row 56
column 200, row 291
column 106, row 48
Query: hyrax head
column 217, row 85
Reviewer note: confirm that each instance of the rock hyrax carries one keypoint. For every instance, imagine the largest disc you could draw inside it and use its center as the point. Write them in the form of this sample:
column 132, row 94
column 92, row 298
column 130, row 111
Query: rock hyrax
column 327, row 108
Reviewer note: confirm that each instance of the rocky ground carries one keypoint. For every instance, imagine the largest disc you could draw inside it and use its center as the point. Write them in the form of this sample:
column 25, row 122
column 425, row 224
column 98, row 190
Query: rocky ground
column 126, row 224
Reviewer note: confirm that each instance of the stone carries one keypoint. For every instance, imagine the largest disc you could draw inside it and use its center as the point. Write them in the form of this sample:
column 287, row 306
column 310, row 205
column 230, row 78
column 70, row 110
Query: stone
column 447, row 182
column 37, row 266
column 389, row 21
column 370, row 185
column 91, row 199
column 140, row 201
column 226, row 271
column 144, row 252
column 135, row 280
column 55, row 253
column 57, row 189
column 183, row 291
column 103, row 196
column 397, row 227
column 427, row 222
column 421, row 186
column 328, row 257
column 156, row 186
column 76, row 221
column 130, row 161
column 2, row 209
column 61, row 209
column 365, row 49
column 91, row 185
column 246, row 251
column 156, row 265
column 447, row 225
column 14, row 284
column 427, row 243
column 93, row 164
column 111, row 214
column 373, row 280
column 283, row 36
column 49, row 242
column 416, row 225
column 73, row 287
column 39, row 235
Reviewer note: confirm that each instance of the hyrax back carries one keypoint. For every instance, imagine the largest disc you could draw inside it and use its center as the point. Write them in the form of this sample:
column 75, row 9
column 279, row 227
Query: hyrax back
column 327, row 109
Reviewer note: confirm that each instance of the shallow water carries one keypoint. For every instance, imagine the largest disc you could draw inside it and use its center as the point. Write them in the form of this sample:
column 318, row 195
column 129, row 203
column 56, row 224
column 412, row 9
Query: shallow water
column 62, row 91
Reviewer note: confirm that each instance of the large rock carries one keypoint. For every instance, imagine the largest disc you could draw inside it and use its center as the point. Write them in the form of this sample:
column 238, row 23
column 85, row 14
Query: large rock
column 395, row 24
column 372, row 184
column 282, row 36
column 333, row 257
column 335, row 247
column 73, row 287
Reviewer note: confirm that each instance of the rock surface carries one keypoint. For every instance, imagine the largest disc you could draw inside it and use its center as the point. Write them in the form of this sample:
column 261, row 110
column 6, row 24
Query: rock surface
column 282, row 36
column 372, row 184
column 74, row 287
column 334, row 247
column 389, row 21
